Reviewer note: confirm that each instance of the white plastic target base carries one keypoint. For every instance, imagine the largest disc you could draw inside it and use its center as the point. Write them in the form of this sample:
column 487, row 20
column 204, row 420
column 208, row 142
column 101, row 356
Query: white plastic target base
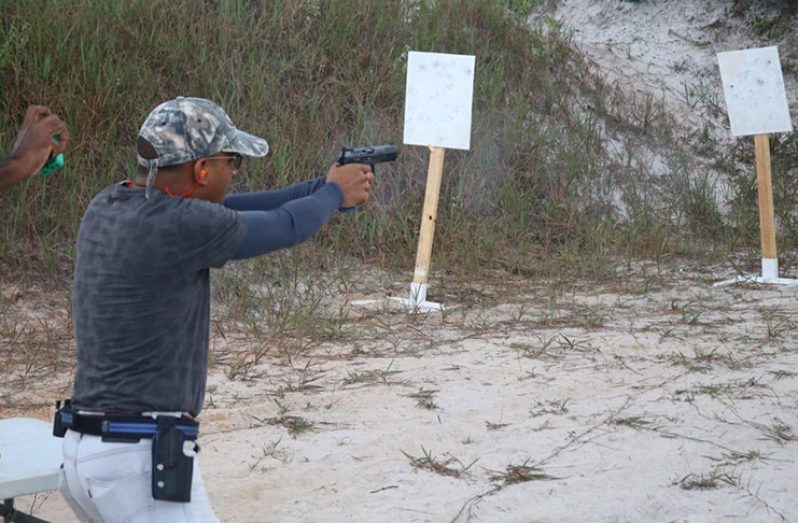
column 417, row 302
column 418, row 299
column 770, row 275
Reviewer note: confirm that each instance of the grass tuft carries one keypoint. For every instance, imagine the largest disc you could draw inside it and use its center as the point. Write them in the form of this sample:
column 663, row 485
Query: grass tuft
column 514, row 474
column 450, row 466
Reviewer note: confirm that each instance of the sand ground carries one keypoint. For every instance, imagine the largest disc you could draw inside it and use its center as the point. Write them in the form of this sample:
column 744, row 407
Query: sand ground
column 662, row 399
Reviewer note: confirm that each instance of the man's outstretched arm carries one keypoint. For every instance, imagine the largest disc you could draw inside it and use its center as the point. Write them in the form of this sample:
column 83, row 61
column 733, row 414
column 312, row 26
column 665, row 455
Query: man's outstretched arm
column 297, row 220
column 290, row 224
column 268, row 200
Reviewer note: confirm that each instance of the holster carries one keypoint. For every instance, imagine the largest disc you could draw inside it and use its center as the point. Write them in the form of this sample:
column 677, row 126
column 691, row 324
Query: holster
column 172, row 468
column 63, row 419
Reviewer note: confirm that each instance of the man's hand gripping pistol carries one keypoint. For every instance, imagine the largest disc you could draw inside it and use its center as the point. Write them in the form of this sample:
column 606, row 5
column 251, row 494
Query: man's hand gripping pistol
column 369, row 155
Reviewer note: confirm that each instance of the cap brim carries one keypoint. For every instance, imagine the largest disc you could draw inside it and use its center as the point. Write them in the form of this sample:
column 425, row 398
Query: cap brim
column 247, row 144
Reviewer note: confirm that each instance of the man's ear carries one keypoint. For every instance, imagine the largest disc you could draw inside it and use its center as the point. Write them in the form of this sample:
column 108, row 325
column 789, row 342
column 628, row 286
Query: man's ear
column 201, row 172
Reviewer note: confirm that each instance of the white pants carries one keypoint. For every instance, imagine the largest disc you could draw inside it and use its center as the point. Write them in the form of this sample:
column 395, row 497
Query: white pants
column 111, row 482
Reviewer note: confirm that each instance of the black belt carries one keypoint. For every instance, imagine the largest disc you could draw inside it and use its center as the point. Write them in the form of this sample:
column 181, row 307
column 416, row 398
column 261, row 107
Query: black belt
column 117, row 427
column 172, row 465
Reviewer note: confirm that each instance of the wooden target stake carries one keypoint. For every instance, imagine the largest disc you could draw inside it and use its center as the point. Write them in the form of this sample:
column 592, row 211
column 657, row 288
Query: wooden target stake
column 418, row 289
column 767, row 222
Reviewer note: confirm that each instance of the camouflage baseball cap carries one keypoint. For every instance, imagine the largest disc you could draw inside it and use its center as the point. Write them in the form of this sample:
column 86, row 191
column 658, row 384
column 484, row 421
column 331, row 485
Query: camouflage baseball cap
column 187, row 129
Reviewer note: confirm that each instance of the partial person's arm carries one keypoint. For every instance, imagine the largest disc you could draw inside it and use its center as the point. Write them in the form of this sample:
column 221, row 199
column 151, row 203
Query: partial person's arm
column 10, row 172
column 291, row 223
column 33, row 146
column 268, row 200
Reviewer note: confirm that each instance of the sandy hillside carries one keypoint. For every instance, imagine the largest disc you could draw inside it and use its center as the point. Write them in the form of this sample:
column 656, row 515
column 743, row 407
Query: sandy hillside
column 660, row 398
column 668, row 49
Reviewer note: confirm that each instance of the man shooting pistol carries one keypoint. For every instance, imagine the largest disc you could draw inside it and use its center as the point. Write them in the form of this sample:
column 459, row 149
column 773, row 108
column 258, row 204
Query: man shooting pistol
column 369, row 155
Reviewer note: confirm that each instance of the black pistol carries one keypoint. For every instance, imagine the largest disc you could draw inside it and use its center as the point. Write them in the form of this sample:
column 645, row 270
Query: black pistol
column 369, row 155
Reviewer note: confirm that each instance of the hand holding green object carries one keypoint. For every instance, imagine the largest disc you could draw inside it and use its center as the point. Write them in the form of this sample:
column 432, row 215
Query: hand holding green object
column 54, row 163
column 38, row 148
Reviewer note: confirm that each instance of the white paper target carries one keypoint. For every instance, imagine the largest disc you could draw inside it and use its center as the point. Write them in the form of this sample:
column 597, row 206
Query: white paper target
column 438, row 100
column 754, row 89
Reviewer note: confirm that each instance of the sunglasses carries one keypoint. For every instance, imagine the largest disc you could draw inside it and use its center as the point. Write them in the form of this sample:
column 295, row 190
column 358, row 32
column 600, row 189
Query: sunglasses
column 235, row 160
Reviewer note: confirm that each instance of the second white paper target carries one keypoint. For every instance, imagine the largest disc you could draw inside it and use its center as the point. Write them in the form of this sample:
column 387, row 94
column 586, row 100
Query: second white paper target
column 439, row 99
column 754, row 89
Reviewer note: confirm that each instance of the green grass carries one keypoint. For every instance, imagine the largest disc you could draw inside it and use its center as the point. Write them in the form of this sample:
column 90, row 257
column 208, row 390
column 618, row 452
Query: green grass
column 537, row 193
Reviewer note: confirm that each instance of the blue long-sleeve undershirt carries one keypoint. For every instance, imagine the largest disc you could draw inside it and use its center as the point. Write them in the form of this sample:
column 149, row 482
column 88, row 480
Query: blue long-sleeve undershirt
column 284, row 217
column 268, row 200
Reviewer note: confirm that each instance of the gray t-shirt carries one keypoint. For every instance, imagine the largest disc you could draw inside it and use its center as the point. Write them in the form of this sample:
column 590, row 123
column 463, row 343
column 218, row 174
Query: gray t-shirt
column 141, row 299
